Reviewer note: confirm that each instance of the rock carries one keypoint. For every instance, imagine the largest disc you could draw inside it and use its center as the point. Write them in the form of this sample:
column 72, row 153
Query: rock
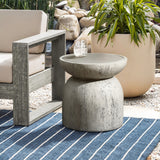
column 66, row 8
column 87, row 22
column 74, row 3
column 71, row 25
column 60, row 12
column 72, row 10
column 85, row 4
column 79, row 9
column 80, row 14
column 61, row 4
column 84, row 36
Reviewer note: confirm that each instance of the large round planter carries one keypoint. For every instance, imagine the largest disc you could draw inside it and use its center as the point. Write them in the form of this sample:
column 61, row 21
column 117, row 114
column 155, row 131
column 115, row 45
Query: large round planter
column 138, row 75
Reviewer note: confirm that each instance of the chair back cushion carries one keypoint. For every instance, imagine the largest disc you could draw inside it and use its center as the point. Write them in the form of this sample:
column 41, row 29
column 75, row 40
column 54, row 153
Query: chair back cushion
column 19, row 24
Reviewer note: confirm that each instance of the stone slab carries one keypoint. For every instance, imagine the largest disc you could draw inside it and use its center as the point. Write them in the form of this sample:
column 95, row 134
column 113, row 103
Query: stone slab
column 93, row 66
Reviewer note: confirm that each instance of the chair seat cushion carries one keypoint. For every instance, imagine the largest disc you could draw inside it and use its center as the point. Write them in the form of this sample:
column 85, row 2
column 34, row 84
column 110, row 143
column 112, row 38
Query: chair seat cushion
column 36, row 64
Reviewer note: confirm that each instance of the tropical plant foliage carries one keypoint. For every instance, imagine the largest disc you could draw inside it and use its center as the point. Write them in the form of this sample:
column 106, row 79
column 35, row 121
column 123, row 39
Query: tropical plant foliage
column 124, row 17
column 45, row 5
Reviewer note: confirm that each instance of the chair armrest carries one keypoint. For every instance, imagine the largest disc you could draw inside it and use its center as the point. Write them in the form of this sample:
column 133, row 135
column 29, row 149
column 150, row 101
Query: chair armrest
column 20, row 50
column 40, row 38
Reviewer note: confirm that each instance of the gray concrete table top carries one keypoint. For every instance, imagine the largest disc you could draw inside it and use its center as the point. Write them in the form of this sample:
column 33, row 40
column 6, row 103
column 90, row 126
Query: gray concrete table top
column 93, row 66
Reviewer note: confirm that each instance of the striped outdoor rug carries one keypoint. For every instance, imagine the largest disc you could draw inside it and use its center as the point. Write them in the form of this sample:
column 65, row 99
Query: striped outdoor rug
column 47, row 139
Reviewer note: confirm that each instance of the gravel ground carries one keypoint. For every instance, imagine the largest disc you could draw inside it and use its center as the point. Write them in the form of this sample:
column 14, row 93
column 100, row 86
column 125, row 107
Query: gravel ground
column 151, row 100
column 37, row 98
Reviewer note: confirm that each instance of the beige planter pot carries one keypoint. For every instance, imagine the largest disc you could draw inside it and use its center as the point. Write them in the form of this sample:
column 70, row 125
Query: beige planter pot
column 138, row 75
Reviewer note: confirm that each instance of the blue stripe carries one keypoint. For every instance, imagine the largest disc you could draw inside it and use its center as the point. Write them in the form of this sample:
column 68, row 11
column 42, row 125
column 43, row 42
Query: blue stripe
column 3, row 112
column 5, row 118
column 6, row 125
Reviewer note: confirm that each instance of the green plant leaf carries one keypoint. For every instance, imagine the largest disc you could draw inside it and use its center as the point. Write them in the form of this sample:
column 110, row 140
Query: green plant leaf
column 112, row 31
column 140, row 23
column 93, row 10
column 124, row 16
column 101, row 35
column 156, row 19
column 130, row 25
column 152, row 34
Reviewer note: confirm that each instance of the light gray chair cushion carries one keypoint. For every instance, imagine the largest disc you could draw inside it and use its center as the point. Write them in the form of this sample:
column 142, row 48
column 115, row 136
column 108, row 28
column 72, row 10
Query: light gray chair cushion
column 36, row 64
column 19, row 24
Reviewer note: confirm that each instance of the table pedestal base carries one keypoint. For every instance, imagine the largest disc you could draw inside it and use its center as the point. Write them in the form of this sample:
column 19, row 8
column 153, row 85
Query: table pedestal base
column 93, row 105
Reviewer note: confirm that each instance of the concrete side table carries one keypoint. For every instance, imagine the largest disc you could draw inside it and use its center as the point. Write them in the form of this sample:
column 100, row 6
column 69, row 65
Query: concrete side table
column 93, row 97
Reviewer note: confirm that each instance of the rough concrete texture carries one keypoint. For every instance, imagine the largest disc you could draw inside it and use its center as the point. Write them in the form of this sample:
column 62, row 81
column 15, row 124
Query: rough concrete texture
column 93, row 66
column 93, row 105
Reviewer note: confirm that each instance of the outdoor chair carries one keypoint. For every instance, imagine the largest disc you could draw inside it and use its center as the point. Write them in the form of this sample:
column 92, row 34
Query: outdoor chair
column 23, row 34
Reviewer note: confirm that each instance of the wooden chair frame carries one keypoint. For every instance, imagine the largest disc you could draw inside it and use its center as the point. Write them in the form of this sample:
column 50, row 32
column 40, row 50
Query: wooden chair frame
column 23, row 84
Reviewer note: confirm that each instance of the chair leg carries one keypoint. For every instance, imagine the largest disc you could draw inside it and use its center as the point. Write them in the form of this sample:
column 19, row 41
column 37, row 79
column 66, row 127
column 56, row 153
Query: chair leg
column 58, row 50
column 21, row 109
column 21, row 103
column 20, row 81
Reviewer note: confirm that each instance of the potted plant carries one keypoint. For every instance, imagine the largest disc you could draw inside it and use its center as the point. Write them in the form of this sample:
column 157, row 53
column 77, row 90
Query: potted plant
column 123, row 27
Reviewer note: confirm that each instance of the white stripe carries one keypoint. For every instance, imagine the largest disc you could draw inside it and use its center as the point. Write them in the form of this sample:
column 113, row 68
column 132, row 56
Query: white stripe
column 34, row 139
column 57, row 144
column 44, row 142
column 27, row 134
column 108, row 140
column 72, row 145
column 6, row 122
column 87, row 146
column 123, row 139
column 12, row 135
column 148, row 145
column 6, row 130
column 137, row 140
column 5, row 114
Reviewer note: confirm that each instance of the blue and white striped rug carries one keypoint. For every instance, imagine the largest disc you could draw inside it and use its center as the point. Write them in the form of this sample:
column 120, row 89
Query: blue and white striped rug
column 47, row 139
